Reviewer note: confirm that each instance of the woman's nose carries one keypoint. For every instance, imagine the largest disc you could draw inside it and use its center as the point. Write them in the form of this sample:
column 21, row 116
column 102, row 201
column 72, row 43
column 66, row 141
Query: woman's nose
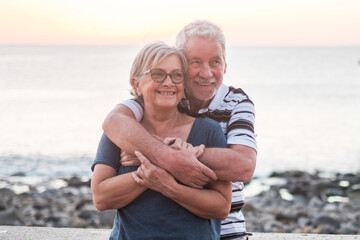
column 168, row 80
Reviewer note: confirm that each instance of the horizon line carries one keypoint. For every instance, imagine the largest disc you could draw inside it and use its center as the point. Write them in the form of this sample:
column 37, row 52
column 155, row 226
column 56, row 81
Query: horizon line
column 136, row 45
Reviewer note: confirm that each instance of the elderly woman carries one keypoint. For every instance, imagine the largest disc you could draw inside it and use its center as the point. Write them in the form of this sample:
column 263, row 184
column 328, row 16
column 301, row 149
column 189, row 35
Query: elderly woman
column 151, row 203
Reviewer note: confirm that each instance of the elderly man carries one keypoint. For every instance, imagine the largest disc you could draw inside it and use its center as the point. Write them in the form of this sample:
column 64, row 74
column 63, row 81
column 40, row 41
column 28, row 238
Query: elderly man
column 204, row 46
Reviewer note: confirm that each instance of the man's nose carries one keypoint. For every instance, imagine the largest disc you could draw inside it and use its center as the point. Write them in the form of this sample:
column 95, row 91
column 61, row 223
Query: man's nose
column 206, row 71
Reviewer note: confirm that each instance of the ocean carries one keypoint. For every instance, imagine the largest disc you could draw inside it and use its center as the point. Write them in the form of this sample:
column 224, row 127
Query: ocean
column 53, row 100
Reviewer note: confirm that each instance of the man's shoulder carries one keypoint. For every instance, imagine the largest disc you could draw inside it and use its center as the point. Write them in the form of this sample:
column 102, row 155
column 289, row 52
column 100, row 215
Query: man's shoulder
column 228, row 97
column 236, row 93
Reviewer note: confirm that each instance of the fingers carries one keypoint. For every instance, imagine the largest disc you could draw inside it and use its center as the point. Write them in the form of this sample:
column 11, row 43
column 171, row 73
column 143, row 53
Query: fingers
column 143, row 159
column 169, row 140
column 196, row 185
column 202, row 147
column 199, row 183
column 123, row 154
column 130, row 163
column 129, row 160
column 199, row 150
column 209, row 173
column 178, row 144
column 137, row 179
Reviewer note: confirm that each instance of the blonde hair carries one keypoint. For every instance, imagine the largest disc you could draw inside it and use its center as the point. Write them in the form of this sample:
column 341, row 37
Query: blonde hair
column 151, row 55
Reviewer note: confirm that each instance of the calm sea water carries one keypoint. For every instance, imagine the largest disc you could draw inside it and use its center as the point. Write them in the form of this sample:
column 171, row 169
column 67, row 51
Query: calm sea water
column 53, row 100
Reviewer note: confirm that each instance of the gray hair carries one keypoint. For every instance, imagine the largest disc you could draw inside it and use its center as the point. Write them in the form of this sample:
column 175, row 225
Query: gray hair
column 201, row 29
column 151, row 55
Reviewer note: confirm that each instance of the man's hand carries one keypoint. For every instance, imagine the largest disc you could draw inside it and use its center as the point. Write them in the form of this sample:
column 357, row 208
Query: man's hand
column 153, row 177
column 129, row 160
column 182, row 164
column 187, row 169
column 178, row 144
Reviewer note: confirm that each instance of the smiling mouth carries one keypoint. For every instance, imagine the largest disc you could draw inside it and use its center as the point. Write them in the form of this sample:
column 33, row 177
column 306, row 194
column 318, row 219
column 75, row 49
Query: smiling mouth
column 205, row 83
column 166, row 93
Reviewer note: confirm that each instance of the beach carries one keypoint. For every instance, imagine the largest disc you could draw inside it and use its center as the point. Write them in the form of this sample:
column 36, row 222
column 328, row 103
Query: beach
column 285, row 202
column 55, row 99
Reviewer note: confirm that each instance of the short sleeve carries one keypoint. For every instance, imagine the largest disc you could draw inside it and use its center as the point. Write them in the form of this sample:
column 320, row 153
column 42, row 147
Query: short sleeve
column 240, row 129
column 107, row 153
column 135, row 107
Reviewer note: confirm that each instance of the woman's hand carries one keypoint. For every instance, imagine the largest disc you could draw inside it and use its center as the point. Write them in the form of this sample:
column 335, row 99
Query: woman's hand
column 129, row 160
column 152, row 176
column 179, row 144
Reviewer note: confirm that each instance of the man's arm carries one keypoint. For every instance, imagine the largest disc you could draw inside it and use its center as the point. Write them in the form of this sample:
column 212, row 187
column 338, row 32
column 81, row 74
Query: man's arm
column 236, row 163
column 129, row 135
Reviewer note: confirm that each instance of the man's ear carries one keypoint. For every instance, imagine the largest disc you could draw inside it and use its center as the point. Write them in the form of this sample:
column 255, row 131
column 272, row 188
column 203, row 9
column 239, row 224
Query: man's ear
column 225, row 68
column 135, row 85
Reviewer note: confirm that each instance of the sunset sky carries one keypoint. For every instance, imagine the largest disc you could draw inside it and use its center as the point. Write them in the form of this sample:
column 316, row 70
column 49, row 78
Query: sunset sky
column 245, row 22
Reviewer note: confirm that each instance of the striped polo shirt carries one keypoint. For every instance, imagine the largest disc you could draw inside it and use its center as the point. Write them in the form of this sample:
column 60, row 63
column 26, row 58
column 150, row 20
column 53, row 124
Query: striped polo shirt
column 234, row 111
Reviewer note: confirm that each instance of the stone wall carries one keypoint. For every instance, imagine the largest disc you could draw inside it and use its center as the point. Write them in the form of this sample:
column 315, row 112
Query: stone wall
column 48, row 233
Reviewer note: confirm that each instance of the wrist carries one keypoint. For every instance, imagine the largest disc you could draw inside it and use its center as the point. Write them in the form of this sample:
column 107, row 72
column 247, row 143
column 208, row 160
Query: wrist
column 172, row 190
column 165, row 156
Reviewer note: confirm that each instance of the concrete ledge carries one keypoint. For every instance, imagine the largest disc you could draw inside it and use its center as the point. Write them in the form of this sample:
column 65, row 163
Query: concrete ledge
column 48, row 233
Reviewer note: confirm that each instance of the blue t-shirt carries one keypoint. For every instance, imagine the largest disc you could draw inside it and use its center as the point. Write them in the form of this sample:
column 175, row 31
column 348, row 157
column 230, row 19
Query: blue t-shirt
column 152, row 215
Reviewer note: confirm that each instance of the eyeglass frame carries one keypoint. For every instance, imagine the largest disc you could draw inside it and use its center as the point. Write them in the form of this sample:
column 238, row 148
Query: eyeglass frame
column 166, row 75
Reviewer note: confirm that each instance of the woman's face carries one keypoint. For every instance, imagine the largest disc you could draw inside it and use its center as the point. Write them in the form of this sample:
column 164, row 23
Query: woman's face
column 166, row 94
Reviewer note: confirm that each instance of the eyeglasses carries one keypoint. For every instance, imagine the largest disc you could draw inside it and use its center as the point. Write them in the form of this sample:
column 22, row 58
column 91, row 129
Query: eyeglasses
column 159, row 75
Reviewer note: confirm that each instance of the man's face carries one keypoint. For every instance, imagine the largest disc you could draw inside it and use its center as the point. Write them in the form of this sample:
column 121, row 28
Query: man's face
column 206, row 69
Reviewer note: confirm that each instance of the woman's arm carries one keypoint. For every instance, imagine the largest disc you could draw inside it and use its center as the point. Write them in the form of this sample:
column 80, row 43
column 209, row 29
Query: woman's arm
column 111, row 191
column 214, row 202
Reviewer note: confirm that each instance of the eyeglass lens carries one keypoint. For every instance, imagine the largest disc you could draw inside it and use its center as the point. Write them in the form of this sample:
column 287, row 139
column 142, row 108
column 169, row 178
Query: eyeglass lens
column 159, row 75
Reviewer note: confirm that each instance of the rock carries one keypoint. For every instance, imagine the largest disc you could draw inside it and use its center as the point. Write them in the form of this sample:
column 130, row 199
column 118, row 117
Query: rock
column 286, row 216
column 18, row 174
column 249, row 207
column 315, row 203
column 78, row 182
column 41, row 203
column 79, row 223
column 308, row 210
column 307, row 229
column 3, row 205
column 326, row 229
column 6, row 196
column 8, row 217
column 327, row 220
column 348, row 228
column 330, row 207
column 303, row 222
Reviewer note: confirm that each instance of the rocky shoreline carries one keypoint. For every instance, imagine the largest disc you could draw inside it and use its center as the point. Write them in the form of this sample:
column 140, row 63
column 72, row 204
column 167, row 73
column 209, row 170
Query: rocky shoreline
column 300, row 202
column 287, row 202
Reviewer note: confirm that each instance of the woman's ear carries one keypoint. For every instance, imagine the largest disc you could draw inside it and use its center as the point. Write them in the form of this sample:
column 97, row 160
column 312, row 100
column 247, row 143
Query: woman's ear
column 135, row 85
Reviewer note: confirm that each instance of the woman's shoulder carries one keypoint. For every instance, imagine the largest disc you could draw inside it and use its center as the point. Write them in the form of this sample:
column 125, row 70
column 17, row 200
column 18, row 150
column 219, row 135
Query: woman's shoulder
column 208, row 132
column 206, row 121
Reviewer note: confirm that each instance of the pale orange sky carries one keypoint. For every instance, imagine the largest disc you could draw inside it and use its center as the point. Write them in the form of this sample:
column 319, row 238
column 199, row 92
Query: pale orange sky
column 245, row 22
